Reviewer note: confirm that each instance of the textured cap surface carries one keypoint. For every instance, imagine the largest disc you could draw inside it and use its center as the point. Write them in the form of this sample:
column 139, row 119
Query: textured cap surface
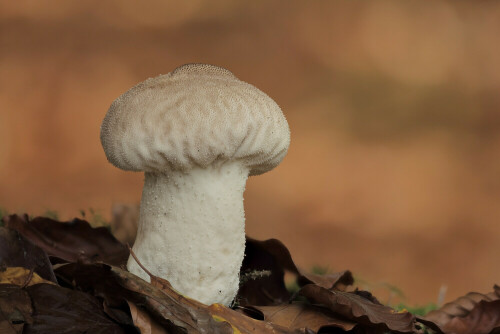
column 194, row 116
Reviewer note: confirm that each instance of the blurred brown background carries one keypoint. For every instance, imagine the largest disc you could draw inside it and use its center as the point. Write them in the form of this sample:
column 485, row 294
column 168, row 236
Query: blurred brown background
column 393, row 170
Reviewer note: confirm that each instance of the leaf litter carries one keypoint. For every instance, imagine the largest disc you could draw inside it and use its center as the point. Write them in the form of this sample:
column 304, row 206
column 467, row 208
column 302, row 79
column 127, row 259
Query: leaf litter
column 71, row 278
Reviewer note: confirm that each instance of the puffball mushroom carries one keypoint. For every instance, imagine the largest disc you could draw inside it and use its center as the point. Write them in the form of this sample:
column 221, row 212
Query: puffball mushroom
column 197, row 133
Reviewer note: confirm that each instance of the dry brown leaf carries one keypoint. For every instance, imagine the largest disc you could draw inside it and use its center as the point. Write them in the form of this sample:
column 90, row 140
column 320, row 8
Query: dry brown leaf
column 483, row 319
column 243, row 324
column 144, row 322
column 336, row 281
column 15, row 309
column 273, row 256
column 267, row 289
column 21, row 277
column 301, row 315
column 472, row 313
column 282, row 255
column 363, row 311
column 64, row 311
column 71, row 241
column 17, row 251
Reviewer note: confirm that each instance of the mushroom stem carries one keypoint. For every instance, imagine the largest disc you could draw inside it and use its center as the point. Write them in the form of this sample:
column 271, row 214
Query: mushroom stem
column 192, row 230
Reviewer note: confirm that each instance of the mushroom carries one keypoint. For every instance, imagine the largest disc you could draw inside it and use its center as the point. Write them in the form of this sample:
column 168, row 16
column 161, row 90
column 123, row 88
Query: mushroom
column 197, row 133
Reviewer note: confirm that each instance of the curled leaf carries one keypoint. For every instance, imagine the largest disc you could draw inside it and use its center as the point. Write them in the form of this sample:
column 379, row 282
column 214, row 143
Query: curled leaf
column 356, row 308
column 71, row 241
column 472, row 313
column 483, row 318
column 282, row 256
column 273, row 256
column 302, row 315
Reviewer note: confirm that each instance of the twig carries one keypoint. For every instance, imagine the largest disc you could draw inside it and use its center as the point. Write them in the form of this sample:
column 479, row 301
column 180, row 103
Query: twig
column 28, row 279
column 139, row 262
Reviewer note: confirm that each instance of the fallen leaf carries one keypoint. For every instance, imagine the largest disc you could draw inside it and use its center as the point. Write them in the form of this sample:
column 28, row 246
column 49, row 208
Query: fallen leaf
column 64, row 311
column 356, row 308
column 484, row 318
column 144, row 322
column 120, row 313
column 366, row 295
column 70, row 241
column 17, row 251
column 282, row 255
column 301, row 315
column 241, row 323
column 21, row 277
column 472, row 313
column 334, row 281
column 273, row 256
column 15, row 309
column 266, row 290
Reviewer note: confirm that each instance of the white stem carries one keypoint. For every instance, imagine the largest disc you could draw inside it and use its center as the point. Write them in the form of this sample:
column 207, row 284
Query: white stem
column 192, row 231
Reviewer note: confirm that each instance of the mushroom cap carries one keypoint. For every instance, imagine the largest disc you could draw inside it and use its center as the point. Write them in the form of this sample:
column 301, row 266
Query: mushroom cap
column 195, row 116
